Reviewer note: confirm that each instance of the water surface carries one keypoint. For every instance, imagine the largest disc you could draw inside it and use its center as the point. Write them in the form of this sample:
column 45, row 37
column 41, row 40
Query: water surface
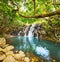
column 44, row 49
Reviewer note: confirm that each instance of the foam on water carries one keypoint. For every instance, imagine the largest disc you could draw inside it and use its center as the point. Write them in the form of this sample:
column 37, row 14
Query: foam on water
column 43, row 52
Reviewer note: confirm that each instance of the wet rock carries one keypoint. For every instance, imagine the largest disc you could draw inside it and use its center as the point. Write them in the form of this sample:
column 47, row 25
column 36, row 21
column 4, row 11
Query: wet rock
column 42, row 33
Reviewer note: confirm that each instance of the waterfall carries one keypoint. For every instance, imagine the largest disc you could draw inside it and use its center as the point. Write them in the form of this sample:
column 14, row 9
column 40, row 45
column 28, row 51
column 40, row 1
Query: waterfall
column 31, row 31
column 19, row 33
column 36, row 34
column 25, row 32
column 34, row 30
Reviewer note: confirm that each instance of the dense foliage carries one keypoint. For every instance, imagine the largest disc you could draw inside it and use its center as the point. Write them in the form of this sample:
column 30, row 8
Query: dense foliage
column 8, row 9
column 11, row 10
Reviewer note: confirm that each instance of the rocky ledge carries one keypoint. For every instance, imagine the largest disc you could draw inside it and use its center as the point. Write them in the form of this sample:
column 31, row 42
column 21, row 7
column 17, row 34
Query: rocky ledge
column 7, row 53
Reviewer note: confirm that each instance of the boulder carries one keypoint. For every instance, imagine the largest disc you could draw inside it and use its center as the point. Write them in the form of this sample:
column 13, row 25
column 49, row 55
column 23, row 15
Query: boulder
column 19, row 56
column 8, row 48
column 9, row 59
column 9, row 53
column 2, row 57
column 2, row 42
column 26, row 59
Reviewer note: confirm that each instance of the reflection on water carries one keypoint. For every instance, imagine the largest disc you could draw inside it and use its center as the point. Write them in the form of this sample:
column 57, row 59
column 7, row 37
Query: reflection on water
column 44, row 49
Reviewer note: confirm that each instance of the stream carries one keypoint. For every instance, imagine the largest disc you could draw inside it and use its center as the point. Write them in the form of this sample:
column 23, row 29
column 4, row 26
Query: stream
column 44, row 49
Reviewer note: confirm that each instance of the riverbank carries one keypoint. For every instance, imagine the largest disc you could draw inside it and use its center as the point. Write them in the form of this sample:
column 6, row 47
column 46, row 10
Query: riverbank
column 7, row 52
column 39, row 30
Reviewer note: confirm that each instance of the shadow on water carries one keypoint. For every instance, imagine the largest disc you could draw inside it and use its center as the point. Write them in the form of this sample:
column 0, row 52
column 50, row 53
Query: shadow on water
column 45, row 49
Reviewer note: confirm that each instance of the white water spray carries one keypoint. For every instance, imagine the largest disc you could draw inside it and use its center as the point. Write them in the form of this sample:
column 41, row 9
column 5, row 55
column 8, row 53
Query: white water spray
column 43, row 52
column 25, row 32
column 30, row 33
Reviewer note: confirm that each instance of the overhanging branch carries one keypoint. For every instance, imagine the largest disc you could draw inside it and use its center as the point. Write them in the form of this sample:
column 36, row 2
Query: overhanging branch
column 57, row 12
column 42, row 15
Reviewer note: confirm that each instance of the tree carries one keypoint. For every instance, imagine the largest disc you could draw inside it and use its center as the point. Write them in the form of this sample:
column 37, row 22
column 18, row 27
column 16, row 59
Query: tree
column 55, row 12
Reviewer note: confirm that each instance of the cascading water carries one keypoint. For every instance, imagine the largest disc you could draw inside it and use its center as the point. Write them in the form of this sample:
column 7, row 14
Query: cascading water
column 19, row 33
column 47, row 50
column 30, row 33
column 25, row 31
column 32, row 44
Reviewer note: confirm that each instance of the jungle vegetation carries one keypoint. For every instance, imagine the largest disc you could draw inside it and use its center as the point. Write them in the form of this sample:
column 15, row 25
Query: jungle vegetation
column 16, row 13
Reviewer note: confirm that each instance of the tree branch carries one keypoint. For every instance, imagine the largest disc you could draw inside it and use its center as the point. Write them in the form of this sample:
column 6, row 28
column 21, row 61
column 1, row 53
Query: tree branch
column 57, row 12
column 42, row 15
column 56, row 3
column 34, row 7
